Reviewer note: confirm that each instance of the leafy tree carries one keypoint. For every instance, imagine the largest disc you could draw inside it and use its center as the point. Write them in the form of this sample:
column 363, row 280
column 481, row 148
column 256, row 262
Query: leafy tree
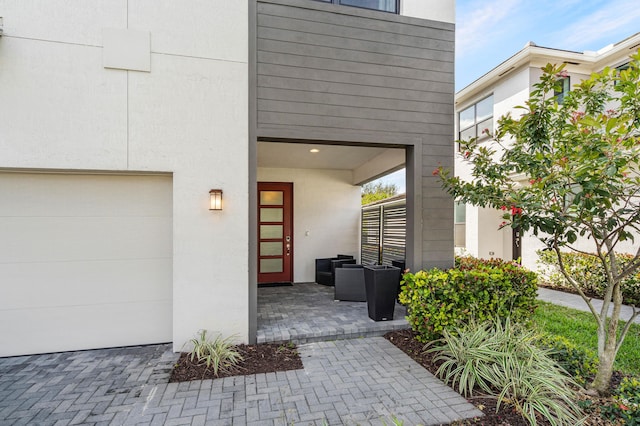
column 581, row 159
column 377, row 191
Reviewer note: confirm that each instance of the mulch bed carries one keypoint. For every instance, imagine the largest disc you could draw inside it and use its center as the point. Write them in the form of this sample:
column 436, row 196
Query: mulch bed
column 262, row 358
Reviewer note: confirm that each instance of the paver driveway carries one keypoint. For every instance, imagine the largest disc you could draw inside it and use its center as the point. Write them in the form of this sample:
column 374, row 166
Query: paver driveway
column 358, row 381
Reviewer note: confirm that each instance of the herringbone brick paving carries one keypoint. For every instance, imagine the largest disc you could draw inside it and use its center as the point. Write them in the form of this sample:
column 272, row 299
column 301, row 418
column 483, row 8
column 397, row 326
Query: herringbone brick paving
column 351, row 382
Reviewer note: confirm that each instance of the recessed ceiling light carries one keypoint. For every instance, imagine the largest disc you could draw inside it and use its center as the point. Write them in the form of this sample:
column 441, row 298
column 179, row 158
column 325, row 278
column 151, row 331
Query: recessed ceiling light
column 314, row 150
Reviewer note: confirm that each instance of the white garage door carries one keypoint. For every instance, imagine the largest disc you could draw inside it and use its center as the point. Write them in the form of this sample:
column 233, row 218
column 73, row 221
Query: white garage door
column 85, row 261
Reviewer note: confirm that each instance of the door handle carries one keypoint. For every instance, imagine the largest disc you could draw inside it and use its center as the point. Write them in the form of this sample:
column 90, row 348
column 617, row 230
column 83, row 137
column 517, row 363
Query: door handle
column 288, row 249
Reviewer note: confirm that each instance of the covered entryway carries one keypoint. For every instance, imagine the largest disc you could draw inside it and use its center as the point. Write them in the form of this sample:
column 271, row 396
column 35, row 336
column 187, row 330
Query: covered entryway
column 326, row 221
column 85, row 261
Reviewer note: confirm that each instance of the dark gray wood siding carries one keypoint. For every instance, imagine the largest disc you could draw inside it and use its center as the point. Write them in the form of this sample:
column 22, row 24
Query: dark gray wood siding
column 341, row 73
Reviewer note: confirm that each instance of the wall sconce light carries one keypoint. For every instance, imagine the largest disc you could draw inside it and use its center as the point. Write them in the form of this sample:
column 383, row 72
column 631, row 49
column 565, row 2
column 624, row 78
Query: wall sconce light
column 215, row 199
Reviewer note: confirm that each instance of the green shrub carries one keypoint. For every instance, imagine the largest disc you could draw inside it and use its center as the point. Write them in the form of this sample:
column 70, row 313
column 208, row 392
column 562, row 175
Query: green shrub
column 219, row 354
column 440, row 300
column 626, row 404
column 588, row 272
column 470, row 262
column 581, row 364
column 503, row 360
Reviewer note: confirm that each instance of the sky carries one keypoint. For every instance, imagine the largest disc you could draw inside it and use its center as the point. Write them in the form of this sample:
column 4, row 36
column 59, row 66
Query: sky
column 490, row 32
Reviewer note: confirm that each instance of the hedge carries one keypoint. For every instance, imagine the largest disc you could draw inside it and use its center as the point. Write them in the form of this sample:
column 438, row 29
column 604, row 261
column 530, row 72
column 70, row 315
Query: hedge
column 475, row 290
column 588, row 272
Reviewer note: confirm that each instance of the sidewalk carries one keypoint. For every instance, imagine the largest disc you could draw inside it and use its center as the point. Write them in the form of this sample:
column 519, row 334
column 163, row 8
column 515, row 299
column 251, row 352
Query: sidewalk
column 574, row 301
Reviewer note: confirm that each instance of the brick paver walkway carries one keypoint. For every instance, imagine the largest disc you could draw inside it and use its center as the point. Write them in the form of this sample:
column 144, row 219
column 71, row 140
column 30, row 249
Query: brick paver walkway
column 351, row 382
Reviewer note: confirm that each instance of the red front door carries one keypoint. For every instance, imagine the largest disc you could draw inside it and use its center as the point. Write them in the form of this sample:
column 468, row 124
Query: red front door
column 275, row 232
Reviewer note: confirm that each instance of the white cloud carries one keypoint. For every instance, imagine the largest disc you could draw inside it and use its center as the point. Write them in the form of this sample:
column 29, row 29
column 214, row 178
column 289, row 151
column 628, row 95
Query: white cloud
column 479, row 22
column 604, row 22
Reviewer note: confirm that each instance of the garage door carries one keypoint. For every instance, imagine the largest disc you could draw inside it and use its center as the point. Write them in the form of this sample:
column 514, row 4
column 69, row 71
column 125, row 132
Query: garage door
column 85, row 261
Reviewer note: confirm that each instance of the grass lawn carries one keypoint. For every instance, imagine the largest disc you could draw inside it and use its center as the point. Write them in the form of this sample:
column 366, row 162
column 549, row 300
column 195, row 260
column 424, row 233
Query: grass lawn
column 580, row 328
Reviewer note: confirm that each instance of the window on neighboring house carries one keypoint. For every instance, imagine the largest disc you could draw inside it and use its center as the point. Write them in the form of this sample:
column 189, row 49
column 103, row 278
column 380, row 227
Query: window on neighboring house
column 476, row 119
column 563, row 89
column 383, row 5
column 460, row 225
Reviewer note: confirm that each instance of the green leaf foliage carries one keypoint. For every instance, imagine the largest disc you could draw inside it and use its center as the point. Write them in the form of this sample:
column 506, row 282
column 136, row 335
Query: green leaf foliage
column 372, row 192
column 588, row 272
column 626, row 405
column 581, row 160
column 581, row 364
column 569, row 174
column 503, row 359
column 476, row 290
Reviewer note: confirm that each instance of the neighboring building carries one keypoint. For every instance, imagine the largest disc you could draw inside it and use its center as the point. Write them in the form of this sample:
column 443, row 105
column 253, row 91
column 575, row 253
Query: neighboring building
column 483, row 102
column 118, row 117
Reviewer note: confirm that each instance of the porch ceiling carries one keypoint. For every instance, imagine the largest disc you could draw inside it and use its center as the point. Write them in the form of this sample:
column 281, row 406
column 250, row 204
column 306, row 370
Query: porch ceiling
column 366, row 163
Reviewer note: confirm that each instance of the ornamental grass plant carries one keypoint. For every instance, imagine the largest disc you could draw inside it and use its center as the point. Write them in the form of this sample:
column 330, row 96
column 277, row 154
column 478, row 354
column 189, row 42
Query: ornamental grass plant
column 219, row 354
column 502, row 359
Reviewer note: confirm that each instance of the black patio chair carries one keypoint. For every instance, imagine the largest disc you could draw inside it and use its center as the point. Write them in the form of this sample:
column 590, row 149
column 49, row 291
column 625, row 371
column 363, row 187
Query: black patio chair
column 326, row 268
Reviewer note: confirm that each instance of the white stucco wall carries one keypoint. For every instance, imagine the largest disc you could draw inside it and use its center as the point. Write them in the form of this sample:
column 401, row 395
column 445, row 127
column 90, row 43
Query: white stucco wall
column 483, row 238
column 437, row 10
column 512, row 91
column 326, row 215
column 62, row 109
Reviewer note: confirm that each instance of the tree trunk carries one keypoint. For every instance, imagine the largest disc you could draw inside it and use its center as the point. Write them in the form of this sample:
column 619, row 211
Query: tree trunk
column 605, row 371
column 607, row 340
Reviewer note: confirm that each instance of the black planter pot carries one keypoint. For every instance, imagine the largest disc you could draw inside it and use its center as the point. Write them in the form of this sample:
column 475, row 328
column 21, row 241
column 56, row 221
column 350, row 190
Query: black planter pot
column 381, row 284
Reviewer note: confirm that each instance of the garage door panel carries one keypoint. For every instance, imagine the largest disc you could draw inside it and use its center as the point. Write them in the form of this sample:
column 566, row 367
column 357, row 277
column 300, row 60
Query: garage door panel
column 85, row 283
column 85, row 261
column 56, row 329
column 49, row 239
column 40, row 194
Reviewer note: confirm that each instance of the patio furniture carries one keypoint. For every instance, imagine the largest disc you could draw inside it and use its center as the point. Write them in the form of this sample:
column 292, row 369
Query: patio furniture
column 326, row 268
column 349, row 283
column 399, row 263
column 381, row 284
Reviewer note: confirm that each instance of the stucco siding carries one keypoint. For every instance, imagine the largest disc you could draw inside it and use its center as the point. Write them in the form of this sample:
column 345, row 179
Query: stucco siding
column 62, row 109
